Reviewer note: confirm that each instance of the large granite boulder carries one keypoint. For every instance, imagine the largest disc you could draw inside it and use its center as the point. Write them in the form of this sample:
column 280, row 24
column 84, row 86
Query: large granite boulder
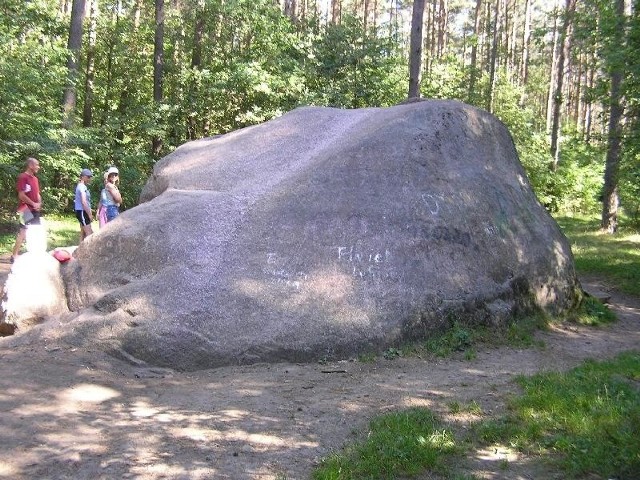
column 321, row 234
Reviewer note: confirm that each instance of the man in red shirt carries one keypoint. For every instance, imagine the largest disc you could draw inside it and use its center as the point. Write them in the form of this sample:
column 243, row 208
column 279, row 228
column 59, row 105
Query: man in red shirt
column 30, row 202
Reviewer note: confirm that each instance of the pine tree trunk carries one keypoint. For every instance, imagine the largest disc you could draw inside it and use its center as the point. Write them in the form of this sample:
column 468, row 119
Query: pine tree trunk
column 365, row 17
column 494, row 57
column 158, row 66
column 196, row 64
column 443, row 15
column 136, row 14
column 87, row 112
column 473, row 67
column 415, row 53
column 526, row 43
column 565, row 45
column 73, row 63
column 610, row 201
column 554, row 67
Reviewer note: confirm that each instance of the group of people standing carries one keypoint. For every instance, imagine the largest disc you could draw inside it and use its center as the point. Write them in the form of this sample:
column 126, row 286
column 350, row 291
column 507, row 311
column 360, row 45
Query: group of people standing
column 108, row 206
column 30, row 201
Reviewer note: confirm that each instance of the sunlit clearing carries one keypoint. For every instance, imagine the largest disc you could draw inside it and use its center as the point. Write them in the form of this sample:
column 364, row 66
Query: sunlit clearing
column 89, row 393
column 143, row 409
column 410, row 402
column 497, row 454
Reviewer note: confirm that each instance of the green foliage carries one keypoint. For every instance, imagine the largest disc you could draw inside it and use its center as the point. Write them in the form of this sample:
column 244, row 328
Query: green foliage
column 465, row 339
column 575, row 187
column 347, row 67
column 446, row 79
column 585, row 421
column 392, row 353
column 630, row 184
column 588, row 418
column 457, row 339
column 472, row 408
column 615, row 256
column 397, row 444
column 255, row 64
column 61, row 231
column 593, row 312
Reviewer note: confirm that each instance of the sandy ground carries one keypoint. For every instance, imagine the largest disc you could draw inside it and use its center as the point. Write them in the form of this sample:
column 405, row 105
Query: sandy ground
column 80, row 414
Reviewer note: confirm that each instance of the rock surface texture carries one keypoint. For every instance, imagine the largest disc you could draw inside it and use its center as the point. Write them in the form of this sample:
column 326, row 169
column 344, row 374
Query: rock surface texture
column 321, row 234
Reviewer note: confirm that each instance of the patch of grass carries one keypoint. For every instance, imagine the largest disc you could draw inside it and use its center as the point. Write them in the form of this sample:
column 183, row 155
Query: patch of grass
column 457, row 407
column 62, row 231
column 615, row 256
column 8, row 231
column 367, row 357
column 399, row 443
column 464, row 339
column 587, row 419
column 392, row 353
column 456, row 339
column 592, row 312
column 585, row 422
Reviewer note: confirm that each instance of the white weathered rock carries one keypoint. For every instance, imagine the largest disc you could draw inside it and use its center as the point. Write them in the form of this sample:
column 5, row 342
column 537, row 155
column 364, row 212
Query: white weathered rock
column 33, row 291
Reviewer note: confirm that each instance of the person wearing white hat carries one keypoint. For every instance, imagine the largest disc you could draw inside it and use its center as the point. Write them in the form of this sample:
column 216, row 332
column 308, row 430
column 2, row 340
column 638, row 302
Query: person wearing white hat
column 82, row 203
column 110, row 197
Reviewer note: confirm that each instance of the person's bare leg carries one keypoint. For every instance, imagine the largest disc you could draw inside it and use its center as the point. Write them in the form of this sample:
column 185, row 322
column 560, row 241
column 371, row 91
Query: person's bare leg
column 22, row 234
column 85, row 231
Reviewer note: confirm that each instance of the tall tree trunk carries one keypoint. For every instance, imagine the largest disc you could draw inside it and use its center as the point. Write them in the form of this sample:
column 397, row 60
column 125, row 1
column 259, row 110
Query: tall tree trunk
column 365, row 16
column 433, row 34
column 336, row 11
column 526, row 43
column 487, row 37
column 610, row 199
column 494, row 57
column 443, row 23
column 196, row 64
column 198, row 34
column 565, row 46
column 158, row 68
column 375, row 15
column 473, row 67
column 588, row 120
column 87, row 112
column 74, row 46
column 554, row 65
column 290, row 9
column 514, row 64
column 136, row 13
column 65, row 7
column 577, row 89
column 415, row 53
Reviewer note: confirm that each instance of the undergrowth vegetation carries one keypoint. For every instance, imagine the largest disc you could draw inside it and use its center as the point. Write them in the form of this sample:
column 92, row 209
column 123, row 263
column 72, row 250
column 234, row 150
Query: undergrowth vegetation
column 587, row 420
column 585, row 423
column 616, row 256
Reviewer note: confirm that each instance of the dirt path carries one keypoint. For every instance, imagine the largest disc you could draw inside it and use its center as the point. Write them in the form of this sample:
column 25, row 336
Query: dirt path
column 82, row 415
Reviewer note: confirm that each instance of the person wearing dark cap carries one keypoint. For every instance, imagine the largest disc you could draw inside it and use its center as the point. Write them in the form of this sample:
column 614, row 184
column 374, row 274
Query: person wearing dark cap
column 82, row 203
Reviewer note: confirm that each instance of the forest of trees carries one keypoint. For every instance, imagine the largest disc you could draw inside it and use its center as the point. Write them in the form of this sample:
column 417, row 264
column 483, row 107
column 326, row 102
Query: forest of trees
column 93, row 83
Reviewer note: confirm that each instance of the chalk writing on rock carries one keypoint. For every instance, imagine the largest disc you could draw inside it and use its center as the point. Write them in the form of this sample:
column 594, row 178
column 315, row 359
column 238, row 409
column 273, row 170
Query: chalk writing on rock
column 364, row 264
column 436, row 204
column 283, row 275
column 451, row 235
